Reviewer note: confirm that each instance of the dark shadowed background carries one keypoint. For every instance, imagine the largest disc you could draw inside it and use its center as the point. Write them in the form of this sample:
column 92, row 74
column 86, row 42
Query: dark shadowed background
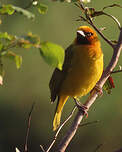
column 30, row 84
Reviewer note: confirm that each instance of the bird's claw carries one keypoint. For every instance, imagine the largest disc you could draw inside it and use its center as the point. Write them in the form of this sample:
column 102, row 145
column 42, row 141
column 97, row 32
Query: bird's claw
column 81, row 107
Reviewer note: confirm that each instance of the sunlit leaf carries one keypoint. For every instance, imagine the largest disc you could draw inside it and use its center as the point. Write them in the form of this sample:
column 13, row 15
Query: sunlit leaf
column 1, row 46
column 35, row 3
column 85, row 1
column 52, row 53
column 5, row 35
column 18, row 60
column 42, row 8
column 7, row 9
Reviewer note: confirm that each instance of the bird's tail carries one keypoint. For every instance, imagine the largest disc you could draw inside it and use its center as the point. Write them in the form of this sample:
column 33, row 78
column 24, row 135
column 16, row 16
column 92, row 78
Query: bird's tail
column 61, row 101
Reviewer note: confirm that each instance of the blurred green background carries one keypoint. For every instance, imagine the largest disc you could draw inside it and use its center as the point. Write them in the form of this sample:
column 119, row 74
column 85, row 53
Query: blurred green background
column 30, row 84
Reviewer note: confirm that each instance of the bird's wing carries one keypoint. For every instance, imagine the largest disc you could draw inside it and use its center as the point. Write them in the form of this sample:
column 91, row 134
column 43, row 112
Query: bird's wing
column 58, row 76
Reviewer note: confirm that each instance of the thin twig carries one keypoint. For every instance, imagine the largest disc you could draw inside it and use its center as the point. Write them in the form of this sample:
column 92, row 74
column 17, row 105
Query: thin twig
column 28, row 127
column 29, row 5
column 117, row 71
column 98, row 147
column 114, row 19
column 120, row 150
column 88, row 123
column 12, row 45
column 56, row 135
column 89, row 21
column 101, row 34
column 113, row 5
column 42, row 148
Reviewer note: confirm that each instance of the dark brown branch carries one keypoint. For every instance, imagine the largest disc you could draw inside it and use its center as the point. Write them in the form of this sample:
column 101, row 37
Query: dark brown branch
column 100, row 33
column 89, row 123
column 91, row 99
column 117, row 71
column 98, row 147
column 28, row 128
column 120, row 150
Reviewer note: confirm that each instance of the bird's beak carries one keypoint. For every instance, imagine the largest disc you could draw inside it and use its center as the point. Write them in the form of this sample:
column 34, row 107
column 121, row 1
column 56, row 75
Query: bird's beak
column 81, row 33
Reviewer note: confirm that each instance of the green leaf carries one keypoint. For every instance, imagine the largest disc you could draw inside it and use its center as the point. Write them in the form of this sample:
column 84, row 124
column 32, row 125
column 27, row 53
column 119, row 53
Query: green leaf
column 24, row 12
column 7, row 9
column 52, row 53
column 18, row 60
column 6, row 36
column 1, row 46
column 41, row 8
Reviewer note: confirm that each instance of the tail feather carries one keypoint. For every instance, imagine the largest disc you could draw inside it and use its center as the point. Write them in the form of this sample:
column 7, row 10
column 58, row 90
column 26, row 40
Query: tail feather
column 61, row 101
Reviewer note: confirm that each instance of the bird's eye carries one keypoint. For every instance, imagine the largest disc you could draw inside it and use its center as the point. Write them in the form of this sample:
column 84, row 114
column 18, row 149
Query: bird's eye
column 88, row 34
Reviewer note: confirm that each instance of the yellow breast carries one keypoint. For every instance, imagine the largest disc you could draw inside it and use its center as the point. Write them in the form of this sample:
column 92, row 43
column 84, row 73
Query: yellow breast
column 86, row 70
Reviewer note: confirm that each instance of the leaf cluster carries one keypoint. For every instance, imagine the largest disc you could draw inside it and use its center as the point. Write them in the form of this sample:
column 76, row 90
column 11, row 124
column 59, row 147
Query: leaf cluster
column 52, row 53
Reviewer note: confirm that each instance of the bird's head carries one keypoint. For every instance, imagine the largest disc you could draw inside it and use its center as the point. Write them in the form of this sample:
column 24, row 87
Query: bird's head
column 86, row 35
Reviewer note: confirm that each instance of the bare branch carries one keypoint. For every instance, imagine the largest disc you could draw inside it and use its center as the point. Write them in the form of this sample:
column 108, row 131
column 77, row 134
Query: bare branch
column 89, row 123
column 42, row 148
column 114, row 19
column 101, row 34
column 57, row 133
column 29, row 5
column 28, row 128
column 120, row 150
column 98, row 147
column 91, row 99
column 117, row 71
column 89, row 21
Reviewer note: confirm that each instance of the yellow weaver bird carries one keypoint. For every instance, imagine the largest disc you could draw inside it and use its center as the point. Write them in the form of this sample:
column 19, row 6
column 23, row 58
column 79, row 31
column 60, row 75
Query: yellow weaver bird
column 82, row 68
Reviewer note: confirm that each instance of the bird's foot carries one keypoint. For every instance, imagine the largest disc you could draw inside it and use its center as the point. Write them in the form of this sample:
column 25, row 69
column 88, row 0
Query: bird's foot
column 81, row 107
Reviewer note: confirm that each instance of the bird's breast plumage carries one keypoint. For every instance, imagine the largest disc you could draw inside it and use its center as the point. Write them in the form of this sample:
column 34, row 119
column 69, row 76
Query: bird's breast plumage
column 86, row 69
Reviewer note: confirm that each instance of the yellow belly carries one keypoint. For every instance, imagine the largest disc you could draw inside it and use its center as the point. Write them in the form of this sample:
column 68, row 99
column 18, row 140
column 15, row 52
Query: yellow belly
column 86, row 70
